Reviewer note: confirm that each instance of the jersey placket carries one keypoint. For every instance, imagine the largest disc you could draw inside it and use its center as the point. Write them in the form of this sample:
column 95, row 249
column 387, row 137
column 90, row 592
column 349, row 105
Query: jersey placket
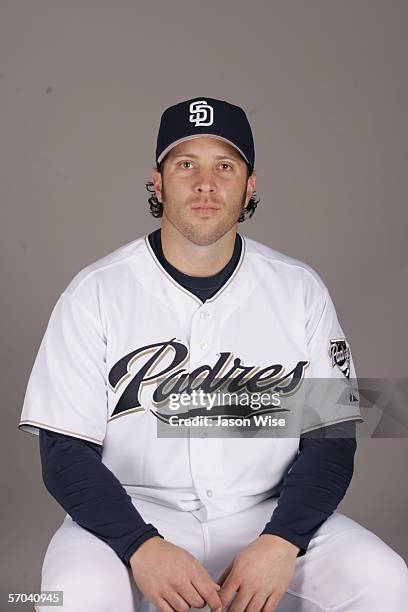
column 206, row 451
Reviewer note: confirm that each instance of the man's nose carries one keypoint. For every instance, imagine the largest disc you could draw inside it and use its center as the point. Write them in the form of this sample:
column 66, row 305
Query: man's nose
column 206, row 182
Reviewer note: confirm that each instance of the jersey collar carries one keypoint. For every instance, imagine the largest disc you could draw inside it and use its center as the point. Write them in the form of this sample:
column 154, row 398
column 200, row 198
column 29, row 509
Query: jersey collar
column 184, row 289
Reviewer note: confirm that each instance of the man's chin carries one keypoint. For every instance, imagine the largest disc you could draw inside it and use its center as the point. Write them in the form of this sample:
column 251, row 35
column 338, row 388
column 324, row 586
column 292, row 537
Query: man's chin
column 205, row 236
column 203, row 232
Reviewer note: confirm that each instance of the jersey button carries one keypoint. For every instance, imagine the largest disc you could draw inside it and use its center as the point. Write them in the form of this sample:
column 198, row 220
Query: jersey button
column 204, row 314
column 209, row 492
column 203, row 345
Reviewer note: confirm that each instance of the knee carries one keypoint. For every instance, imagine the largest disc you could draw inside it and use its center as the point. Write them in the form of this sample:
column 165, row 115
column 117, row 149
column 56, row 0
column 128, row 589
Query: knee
column 388, row 573
column 380, row 564
column 377, row 572
column 90, row 586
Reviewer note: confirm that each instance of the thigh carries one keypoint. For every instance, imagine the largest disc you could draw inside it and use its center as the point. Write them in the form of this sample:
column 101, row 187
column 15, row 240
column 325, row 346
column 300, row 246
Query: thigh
column 349, row 568
column 91, row 575
column 346, row 566
column 88, row 571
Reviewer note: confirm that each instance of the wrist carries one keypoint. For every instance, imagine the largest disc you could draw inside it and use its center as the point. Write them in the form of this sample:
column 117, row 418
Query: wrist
column 145, row 545
column 289, row 547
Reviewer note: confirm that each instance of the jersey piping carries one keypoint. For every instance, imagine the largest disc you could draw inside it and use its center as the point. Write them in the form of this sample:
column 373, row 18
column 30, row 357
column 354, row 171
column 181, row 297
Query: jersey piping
column 186, row 291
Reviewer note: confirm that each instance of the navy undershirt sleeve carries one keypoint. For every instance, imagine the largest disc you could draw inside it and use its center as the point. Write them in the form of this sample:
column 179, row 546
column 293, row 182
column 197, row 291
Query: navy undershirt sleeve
column 89, row 492
column 315, row 483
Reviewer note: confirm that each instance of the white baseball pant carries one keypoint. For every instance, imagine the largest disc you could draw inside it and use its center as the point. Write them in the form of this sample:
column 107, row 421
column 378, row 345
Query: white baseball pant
column 347, row 568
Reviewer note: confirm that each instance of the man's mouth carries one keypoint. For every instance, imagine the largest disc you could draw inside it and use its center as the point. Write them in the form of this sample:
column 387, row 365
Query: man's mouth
column 205, row 207
column 205, row 210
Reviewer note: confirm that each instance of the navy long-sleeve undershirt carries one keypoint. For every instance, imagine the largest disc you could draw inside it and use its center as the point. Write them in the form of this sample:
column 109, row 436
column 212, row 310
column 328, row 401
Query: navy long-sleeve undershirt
column 315, row 483
column 91, row 494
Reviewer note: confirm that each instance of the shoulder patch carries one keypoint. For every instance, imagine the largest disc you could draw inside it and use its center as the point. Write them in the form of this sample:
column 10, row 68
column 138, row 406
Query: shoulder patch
column 339, row 353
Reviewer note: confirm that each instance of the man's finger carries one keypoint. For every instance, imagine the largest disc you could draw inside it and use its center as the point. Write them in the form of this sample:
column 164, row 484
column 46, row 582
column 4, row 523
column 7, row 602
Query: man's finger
column 208, row 592
column 257, row 602
column 224, row 574
column 176, row 601
column 229, row 588
column 242, row 598
column 163, row 606
column 271, row 603
column 191, row 595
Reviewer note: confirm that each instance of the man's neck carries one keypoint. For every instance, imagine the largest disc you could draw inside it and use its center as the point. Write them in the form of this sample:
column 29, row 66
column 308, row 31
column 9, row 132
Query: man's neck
column 196, row 260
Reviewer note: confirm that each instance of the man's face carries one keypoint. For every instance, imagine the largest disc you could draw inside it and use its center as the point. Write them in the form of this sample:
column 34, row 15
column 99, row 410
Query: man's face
column 203, row 188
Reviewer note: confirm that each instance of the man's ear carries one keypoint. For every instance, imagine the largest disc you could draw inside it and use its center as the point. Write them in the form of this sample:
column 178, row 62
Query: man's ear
column 250, row 187
column 157, row 183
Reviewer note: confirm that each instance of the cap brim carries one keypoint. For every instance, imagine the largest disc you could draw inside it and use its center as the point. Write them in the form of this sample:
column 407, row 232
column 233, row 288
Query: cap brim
column 176, row 142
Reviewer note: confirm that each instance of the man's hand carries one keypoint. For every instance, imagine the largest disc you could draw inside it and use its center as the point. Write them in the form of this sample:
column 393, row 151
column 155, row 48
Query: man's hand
column 171, row 578
column 262, row 572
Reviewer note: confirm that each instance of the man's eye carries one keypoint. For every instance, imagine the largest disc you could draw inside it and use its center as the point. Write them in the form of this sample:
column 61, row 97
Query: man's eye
column 185, row 162
column 225, row 164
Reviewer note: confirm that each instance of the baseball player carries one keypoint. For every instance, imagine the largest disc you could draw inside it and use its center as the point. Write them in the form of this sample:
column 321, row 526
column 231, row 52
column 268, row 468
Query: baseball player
column 168, row 505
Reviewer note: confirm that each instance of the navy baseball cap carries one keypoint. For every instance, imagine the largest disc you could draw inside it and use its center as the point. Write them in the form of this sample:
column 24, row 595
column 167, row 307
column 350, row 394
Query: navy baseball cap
column 205, row 117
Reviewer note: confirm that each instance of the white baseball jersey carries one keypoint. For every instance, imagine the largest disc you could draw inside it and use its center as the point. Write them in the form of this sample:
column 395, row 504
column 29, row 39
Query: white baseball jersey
column 124, row 333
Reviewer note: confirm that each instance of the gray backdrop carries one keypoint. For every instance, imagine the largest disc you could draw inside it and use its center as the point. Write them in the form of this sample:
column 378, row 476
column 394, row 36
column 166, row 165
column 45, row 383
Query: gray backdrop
column 83, row 84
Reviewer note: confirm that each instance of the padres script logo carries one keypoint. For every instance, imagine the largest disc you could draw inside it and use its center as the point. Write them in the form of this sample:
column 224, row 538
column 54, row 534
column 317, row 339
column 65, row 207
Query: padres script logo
column 339, row 352
column 228, row 373
column 201, row 113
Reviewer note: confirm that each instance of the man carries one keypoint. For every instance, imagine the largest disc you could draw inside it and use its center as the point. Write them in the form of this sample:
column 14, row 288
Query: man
column 164, row 518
